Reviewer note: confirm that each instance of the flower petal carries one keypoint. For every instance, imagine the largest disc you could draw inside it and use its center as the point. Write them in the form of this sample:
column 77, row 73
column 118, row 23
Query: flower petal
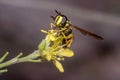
column 66, row 52
column 58, row 65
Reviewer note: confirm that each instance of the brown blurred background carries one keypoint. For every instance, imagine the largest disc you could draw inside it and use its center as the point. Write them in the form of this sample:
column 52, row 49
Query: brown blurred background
column 20, row 24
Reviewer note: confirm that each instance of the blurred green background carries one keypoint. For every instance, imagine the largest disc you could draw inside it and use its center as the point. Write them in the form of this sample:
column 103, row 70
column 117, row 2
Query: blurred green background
column 20, row 24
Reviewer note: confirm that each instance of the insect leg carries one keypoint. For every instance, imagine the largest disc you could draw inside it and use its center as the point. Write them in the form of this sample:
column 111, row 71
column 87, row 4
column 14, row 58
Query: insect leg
column 52, row 25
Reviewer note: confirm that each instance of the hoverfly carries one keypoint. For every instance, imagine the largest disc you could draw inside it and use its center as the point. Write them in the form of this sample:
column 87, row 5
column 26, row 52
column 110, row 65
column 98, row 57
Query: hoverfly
column 63, row 25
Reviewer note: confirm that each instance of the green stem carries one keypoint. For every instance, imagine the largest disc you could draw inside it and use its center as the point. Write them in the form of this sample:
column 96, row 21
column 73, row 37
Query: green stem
column 4, row 57
column 33, row 57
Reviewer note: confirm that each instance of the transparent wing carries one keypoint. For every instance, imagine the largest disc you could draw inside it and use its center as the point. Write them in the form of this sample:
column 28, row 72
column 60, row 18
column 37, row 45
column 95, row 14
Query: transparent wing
column 85, row 32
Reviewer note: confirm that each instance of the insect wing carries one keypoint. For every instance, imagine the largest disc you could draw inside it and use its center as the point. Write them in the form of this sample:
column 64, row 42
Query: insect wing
column 85, row 32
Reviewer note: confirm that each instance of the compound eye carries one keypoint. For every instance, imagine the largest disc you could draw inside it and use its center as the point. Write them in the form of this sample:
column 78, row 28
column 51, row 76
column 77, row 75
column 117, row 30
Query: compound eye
column 59, row 20
column 63, row 20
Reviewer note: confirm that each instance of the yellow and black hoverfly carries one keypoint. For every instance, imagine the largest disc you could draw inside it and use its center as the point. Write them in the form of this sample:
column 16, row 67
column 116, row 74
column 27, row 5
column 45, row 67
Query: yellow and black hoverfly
column 63, row 25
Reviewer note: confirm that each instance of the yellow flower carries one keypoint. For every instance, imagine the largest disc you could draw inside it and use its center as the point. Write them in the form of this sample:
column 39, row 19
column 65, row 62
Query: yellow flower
column 56, row 56
column 62, row 53
column 51, row 50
